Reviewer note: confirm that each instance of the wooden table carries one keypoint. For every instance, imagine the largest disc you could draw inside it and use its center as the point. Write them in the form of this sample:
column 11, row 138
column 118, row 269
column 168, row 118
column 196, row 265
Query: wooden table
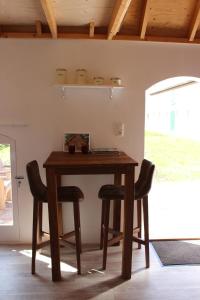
column 116, row 163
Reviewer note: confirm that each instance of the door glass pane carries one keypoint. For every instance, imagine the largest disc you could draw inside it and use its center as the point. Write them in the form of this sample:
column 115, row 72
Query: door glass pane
column 6, row 205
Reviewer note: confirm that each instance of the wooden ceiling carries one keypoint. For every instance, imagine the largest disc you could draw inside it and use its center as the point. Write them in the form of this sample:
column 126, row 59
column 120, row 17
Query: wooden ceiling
column 141, row 20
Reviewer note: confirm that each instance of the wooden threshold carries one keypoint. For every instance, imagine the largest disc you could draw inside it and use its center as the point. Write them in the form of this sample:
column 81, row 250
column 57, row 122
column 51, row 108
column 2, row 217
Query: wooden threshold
column 172, row 239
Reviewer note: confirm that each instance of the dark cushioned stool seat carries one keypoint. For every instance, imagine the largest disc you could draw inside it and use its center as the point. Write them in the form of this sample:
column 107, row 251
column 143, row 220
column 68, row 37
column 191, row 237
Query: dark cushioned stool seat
column 111, row 191
column 70, row 194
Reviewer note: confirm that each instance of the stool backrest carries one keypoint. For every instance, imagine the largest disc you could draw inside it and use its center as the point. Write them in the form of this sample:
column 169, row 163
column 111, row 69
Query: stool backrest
column 38, row 189
column 143, row 184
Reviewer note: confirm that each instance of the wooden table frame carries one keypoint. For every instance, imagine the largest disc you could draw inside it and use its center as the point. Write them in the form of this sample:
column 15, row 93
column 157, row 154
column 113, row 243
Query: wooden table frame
column 62, row 163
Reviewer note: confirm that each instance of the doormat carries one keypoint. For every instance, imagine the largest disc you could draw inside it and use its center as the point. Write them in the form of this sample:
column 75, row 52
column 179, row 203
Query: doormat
column 177, row 252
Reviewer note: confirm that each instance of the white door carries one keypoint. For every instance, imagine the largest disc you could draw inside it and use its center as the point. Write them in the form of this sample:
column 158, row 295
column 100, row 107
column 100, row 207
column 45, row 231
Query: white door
column 9, row 223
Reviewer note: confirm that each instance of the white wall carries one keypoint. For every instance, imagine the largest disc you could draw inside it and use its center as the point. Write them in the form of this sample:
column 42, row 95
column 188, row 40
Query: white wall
column 27, row 95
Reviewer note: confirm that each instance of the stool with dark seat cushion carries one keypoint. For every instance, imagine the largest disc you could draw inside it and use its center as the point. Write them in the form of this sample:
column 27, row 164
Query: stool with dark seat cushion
column 117, row 192
column 65, row 194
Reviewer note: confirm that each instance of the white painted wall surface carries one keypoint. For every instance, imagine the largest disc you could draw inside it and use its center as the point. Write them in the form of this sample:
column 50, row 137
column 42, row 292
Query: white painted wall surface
column 27, row 95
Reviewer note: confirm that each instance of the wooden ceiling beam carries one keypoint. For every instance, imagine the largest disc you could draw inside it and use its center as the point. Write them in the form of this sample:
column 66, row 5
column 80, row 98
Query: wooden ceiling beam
column 119, row 11
column 98, row 36
column 195, row 22
column 84, row 36
column 161, row 39
column 145, row 17
column 91, row 33
column 49, row 14
column 38, row 27
column 24, row 35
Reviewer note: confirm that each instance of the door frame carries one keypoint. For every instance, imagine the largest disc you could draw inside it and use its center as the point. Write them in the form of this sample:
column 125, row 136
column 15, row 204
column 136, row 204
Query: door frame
column 11, row 233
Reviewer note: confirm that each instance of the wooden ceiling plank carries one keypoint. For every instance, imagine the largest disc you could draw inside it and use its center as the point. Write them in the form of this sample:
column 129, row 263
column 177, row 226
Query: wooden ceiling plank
column 145, row 17
column 49, row 14
column 119, row 11
column 38, row 26
column 195, row 22
column 91, row 33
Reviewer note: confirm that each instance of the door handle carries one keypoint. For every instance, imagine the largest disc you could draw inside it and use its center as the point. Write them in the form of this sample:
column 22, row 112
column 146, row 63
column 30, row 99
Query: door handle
column 19, row 180
column 19, row 177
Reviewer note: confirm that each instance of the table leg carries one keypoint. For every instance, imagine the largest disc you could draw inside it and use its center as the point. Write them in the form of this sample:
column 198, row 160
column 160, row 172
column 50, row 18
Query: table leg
column 60, row 214
column 128, row 223
column 53, row 223
column 117, row 208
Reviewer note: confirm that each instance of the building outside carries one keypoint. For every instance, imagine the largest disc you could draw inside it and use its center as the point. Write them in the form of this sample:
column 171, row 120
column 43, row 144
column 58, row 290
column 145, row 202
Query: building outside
column 174, row 111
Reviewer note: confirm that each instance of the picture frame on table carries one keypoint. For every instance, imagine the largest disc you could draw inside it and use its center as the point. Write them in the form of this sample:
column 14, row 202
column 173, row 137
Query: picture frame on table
column 79, row 140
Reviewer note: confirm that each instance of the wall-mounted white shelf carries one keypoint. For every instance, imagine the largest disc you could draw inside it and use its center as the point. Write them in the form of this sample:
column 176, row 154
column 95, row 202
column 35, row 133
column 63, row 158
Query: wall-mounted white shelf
column 111, row 88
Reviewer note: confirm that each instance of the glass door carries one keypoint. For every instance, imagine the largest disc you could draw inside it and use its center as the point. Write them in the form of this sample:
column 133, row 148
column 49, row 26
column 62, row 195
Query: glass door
column 9, row 225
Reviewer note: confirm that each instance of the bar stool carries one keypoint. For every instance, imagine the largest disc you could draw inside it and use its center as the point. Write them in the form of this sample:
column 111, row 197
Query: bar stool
column 116, row 192
column 65, row 194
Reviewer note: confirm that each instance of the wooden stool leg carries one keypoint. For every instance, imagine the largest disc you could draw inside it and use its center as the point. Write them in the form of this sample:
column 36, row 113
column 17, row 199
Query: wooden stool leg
column 116, row 218
column 34, row 234
column 40, row 212
column 102, row 223
column 105, row 232
column 77, row 235
column 139, row 220
column 146, row 229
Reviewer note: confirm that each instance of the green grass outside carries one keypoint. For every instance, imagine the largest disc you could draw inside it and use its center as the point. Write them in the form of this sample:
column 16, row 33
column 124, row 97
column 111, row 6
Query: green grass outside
column 177, row 159
column 5, row 154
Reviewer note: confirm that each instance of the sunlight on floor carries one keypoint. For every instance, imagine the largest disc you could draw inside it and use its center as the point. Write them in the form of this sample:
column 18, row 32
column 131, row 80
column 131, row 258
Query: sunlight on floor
column 171, row 215
column 193, row 242
column 63, row 266
column 95, row 271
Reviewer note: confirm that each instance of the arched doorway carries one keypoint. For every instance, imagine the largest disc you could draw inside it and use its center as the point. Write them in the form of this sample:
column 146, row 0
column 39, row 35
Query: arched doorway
column 9, row 225
column 172, row 141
